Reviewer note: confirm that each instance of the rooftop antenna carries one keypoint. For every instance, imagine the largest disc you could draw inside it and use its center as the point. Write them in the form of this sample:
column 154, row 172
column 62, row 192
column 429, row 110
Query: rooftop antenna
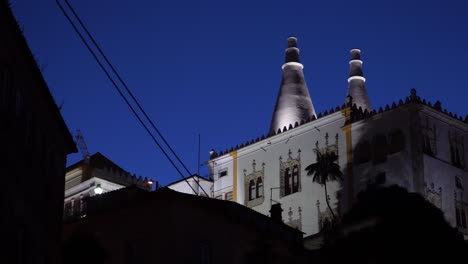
column 81, row 144
column 198, row 161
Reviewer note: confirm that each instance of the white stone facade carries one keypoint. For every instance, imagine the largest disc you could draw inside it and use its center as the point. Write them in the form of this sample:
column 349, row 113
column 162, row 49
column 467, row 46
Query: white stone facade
column 412, row 144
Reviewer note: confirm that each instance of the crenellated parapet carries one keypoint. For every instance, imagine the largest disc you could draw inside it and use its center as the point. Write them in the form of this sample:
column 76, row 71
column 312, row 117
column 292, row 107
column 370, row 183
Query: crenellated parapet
column 333, row 110
column 357, row 114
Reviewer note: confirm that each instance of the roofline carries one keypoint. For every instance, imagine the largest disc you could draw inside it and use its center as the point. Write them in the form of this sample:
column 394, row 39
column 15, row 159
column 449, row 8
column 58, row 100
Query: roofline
column 70, row 146
column 357, row 115
column 156, row 193
column 189, row 177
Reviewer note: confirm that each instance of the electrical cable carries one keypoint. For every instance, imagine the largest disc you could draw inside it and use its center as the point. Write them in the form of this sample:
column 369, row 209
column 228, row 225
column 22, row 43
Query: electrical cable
column 124, row 98
column 125, row 86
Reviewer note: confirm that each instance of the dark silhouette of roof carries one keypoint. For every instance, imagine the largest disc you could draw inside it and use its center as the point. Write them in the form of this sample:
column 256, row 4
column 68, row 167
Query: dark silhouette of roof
column 36, row 75
column 131, row 196
column 98, row 160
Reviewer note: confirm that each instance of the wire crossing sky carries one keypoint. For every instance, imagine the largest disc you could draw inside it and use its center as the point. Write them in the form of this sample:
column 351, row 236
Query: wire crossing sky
column 214, row 67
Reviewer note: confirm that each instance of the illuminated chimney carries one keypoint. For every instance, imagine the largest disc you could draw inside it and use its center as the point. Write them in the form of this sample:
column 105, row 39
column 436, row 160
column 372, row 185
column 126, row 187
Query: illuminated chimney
column 293, row 103
column 357, row 82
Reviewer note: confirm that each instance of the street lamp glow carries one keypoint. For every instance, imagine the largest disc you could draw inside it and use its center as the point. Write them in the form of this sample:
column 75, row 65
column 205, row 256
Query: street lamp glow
column 98, row 189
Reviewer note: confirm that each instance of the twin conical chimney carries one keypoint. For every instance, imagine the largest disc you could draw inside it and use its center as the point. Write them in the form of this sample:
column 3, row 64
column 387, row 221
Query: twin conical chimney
column 293, row 103
column 356, row 81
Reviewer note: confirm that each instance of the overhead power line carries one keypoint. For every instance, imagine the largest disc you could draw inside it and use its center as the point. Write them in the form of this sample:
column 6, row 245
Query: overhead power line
column 120, row 79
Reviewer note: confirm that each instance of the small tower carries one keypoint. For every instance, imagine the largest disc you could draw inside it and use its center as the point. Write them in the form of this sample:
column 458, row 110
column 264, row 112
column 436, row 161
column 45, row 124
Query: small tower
column 357, row 82
column 293, row 103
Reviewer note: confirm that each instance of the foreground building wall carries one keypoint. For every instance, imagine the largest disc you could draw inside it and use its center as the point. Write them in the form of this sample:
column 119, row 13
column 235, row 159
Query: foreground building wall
column 35, row 142
column 165, row 226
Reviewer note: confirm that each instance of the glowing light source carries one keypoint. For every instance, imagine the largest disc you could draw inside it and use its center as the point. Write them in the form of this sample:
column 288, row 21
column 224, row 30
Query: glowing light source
column 150, row 182
column 98, row 189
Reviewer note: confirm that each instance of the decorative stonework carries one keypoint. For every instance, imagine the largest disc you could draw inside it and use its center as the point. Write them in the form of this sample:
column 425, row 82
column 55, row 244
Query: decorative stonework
column 254, row 185
column 325, row 218
column 327, row 148
column 434, row 196
column 295, row 221
column 290, row 174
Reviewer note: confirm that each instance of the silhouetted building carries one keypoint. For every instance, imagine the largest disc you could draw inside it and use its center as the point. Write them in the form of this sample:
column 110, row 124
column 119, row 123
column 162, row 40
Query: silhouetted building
column 413, row 143
column 133, row 226
column 34, row 142
column 95, row 175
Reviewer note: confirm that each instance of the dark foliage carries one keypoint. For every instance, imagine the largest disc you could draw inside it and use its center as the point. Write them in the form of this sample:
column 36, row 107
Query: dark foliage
column 83, row 248
column 404, row 228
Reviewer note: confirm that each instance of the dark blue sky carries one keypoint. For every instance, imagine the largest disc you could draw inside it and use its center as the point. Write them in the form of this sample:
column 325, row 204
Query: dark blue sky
column 214, row 67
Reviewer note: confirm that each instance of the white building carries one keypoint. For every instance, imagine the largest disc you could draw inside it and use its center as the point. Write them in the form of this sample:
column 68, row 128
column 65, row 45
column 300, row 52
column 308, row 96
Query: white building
column 411, row 143
column 95, row 175
column 194, row 185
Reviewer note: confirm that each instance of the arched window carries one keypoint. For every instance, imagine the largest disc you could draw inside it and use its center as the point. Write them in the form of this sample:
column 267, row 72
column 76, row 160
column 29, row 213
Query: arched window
column 397, row 142
column 380, row 148
column 295, row 179
column 259, row 187
column 251, row 190
column 287, row 181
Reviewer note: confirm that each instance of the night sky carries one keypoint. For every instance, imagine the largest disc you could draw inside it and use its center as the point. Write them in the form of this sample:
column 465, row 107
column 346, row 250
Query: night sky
column 214, row 67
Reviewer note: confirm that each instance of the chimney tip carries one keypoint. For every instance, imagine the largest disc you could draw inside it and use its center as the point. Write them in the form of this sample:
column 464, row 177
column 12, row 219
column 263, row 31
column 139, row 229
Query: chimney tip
column 355, row 54
column 292, row 42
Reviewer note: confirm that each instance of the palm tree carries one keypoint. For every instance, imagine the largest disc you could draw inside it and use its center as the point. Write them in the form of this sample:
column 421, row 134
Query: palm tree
column 324, row 170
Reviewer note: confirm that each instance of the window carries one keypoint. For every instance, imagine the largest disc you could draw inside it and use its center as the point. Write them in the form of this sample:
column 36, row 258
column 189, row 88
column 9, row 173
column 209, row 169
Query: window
column 458, row 183
column 290, row 174
column 455, row 156
column 222, row 173
column 457, row 150
column 362, row 152
column 205, row 254
column 428, row 138
column 251, row 190
column 229, row 196
column 460, row 217
column 68, row 208
column 287, row 181
column 380, row 178
column 380, row 148
column 397, row 142
column 295, row 179
column 259, row 188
